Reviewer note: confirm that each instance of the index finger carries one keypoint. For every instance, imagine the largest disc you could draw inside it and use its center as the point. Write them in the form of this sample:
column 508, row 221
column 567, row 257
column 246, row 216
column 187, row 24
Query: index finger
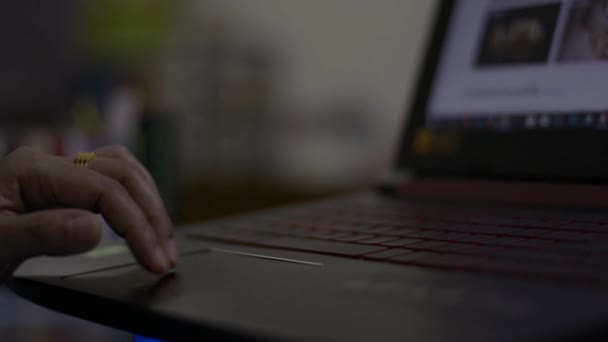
column 145, row 196
column 51, row 181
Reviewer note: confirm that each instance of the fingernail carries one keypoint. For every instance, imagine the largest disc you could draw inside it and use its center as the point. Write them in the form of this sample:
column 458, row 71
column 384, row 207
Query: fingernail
column 171, row 252
column 161, row 259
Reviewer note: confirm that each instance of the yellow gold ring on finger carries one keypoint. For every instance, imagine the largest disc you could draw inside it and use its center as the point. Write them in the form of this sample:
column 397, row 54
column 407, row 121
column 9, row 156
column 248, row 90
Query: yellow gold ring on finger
column 83, row 158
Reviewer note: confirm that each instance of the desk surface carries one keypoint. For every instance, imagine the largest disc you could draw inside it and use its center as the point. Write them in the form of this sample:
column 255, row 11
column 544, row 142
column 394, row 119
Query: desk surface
column 21, row 320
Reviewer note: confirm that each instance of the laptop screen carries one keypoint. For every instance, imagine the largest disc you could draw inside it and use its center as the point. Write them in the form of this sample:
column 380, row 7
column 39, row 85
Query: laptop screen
column 532, row 64
column 513, row 88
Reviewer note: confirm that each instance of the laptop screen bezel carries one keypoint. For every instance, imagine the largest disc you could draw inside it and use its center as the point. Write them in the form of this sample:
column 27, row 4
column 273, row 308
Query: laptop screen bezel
column 579, row 155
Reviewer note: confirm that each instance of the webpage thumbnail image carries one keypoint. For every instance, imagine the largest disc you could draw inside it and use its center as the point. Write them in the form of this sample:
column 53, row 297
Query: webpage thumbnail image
column 521, row 35
column 585, row 36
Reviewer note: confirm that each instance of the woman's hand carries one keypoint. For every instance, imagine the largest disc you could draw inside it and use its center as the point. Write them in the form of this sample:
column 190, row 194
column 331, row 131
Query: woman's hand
column 48, row 206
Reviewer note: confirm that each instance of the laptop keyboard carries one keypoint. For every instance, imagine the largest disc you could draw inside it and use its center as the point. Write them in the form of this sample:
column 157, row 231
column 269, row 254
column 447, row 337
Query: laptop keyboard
column 519, row 243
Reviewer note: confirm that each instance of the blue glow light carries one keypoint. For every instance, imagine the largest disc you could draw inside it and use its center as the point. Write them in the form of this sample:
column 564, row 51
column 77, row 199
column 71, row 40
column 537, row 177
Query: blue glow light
column 138, row 338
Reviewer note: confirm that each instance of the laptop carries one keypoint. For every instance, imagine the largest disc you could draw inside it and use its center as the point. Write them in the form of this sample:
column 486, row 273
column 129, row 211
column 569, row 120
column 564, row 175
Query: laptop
column 492, row 226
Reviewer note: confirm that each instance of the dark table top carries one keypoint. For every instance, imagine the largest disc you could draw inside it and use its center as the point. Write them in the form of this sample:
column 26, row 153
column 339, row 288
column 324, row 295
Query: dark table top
column 21, row 320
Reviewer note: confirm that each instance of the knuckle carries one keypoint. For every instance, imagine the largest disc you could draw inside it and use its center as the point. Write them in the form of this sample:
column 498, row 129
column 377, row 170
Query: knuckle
column 137, row 171
column 124, row 171
column 132, row 170
column 21, row 153
column 144, row 236
column 125, row 155
column 132, row 173
column 25, row 150
column 133, row 167
column 155, row 220
column 26, row 162
column 120, row 151
column 129, row 175
column 113, row 186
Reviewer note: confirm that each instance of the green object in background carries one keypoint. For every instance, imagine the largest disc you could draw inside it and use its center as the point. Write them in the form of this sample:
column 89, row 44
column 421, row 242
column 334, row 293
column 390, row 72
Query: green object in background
column 85, row 115
column 126, row 31
column 156, row 148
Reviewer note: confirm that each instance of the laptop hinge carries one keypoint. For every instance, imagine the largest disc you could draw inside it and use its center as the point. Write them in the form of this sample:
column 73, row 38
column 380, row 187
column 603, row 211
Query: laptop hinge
column 390, row 183
column 505, row 192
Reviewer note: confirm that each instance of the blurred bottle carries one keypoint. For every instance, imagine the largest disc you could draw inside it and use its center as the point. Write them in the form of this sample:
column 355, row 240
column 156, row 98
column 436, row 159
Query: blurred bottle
column 125, row 42
column 224, row 86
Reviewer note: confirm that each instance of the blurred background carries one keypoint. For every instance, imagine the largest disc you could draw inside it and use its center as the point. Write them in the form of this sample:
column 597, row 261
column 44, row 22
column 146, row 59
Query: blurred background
column 232, row 105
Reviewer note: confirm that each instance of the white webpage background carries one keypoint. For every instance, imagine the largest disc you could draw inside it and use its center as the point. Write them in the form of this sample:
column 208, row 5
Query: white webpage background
column 550, row 87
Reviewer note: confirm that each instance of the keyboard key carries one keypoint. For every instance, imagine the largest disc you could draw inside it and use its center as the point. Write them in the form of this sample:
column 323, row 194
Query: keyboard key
column 530, row 232
column 590, row 263
column 452, row 261
column 373, row 229
column 423, row 234
column 453, row 247
column 594, row 247
column 427, row 245
column 525, row 256
column 433, row 225
column 576, row 247
column 513, row 267
column 530, row 242
column 258, row 228
column 455, row 227
column 578, row 226
column 565, row 235
column 474, row 238
column 399, row 231
column 504, row 241
column 556, row 224
column 483, row 250
column 296, row 232
column 412, row 257
column 251, row 237
column 387, row 253
column 353, row 237
column 405, row 222
column 217, row 233
column 379, row 239
column 330, row 247
column 484, row 229
column 601, row 228
column 536, row 243
column 501, row 230
column 591, row 236
column 327, row 227
column 328, row 235
column 401, row 242
column 445, row 236
column 506, row 221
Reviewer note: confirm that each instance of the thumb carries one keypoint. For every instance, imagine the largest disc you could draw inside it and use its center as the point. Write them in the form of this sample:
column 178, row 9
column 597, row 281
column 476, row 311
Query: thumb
column 48, row 232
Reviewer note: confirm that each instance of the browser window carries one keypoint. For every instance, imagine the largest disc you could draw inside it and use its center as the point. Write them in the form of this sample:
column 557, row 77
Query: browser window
column 523, row 64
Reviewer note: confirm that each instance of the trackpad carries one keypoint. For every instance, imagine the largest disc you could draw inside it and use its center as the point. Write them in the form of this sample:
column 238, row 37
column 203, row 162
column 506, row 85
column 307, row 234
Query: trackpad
column 212, row 284
column 208, row 268
column 272, row 296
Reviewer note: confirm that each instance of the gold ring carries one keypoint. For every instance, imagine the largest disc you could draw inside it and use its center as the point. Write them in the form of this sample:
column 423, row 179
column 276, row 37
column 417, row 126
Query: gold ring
column 83, row 158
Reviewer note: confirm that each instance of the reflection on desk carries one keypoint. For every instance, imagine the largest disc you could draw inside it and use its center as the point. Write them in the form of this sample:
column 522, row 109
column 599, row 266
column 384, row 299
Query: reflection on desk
column 21, row 320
